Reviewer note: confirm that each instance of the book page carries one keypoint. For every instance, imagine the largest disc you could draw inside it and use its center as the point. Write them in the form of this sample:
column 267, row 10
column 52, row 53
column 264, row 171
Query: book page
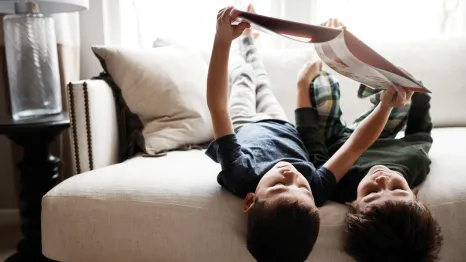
column 336, row 54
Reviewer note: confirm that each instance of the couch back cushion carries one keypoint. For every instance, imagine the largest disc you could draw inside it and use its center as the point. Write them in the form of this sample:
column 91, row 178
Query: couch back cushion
column 439, row 63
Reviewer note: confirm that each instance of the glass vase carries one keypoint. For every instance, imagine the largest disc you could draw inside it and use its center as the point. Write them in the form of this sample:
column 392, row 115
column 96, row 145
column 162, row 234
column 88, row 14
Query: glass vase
column 32, row 64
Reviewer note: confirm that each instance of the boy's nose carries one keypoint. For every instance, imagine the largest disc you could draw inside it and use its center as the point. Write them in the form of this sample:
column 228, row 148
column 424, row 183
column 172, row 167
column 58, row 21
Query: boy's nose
column 382, row 181
column 290, row 175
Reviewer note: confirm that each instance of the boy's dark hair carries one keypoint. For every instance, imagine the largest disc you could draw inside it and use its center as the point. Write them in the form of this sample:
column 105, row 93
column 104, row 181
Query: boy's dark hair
column 394, row 231
column 284, row 230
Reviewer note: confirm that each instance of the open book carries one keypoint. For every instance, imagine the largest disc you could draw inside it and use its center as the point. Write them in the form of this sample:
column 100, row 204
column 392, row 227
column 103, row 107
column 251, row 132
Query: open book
column 340, row 50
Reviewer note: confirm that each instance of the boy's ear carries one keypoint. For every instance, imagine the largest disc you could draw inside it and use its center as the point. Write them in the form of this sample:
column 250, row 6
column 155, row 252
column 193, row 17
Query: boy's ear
column 352, row 206
column 248, row 202
column 415, row 191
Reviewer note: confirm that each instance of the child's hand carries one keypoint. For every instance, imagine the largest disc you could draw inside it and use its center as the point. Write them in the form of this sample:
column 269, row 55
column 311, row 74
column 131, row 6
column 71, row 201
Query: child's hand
column 225, row 31
column 395, row 98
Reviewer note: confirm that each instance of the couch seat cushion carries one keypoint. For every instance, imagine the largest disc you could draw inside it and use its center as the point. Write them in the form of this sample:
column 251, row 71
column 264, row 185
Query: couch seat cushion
column 172, row 209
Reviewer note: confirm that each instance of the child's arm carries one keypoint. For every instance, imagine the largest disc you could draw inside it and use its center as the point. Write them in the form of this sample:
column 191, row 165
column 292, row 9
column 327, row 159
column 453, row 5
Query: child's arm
column 217, row 89
column 217, row 79
column 365, row 134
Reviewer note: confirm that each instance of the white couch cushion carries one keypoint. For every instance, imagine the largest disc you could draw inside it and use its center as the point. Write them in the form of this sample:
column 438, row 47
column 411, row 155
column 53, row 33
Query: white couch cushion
column 172, row 209
column 440, row 63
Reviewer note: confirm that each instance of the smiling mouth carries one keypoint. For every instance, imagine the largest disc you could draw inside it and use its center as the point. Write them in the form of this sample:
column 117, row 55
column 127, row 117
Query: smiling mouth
column 379, row 170
column 283, row 164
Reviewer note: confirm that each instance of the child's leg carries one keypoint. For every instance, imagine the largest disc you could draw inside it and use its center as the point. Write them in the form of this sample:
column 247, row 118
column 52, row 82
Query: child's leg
column 419, row 115
column 242, row 102
column 397, row 119
column 266, row 102
column 325, row 97
column 319, row 124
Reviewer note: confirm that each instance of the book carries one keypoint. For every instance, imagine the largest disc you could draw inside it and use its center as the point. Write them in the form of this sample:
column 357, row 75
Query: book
column 340, row 50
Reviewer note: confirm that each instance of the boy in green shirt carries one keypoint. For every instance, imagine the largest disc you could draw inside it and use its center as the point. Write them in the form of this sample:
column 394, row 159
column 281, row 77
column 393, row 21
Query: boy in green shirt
column 386, row 222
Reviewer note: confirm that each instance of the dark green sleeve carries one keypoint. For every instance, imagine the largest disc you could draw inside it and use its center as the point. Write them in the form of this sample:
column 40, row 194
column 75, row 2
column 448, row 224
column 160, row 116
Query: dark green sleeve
column 308, row 129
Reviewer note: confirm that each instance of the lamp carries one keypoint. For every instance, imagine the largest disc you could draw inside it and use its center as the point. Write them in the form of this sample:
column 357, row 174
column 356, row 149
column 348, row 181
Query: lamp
column 31, row 54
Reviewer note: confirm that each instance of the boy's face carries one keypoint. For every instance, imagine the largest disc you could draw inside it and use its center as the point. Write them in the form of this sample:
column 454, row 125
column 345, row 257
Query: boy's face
column 382, row 184
column 281, row 181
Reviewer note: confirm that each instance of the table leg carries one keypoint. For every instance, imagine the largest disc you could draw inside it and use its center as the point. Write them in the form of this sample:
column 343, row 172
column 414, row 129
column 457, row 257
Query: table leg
column 39, row 173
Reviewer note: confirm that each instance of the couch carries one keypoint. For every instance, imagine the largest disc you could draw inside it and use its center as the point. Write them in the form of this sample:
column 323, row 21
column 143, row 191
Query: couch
column 171, row 208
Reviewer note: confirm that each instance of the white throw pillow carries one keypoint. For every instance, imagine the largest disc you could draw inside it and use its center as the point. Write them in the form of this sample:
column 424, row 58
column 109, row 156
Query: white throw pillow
column 166, row 88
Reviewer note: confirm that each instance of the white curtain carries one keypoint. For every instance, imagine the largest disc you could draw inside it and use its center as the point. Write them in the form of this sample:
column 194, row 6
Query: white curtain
column 68, row 46
column 140, row 22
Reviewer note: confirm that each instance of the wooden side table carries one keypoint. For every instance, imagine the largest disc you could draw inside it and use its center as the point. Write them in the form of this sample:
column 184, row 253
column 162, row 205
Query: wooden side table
column 38, row 174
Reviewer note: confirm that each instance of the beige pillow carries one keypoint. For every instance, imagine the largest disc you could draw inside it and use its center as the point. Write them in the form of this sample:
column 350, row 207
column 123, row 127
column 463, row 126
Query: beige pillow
column 166, row 88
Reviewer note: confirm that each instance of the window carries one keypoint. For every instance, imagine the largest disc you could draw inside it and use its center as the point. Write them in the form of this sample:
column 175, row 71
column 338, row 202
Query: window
column 192, row 22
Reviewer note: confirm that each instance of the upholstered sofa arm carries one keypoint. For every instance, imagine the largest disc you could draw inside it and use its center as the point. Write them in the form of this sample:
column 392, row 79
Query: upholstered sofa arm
column 94, row 131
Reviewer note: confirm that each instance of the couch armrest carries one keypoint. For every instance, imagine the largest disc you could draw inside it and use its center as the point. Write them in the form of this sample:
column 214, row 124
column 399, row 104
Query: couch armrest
column 94, row 130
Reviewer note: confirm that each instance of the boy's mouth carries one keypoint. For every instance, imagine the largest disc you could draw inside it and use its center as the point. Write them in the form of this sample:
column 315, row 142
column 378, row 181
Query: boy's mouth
column 283, row 164
column 378, row 171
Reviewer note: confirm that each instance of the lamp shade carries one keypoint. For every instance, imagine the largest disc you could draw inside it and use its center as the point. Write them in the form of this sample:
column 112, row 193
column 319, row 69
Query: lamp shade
column 47, row 6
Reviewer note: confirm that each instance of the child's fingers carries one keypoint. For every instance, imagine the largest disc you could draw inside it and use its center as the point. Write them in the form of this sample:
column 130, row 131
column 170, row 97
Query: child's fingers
column 390, row 93
column 226, row 14
column 391, row 97
column 238, row 29
column 403, row 96
column 221, row 12
column 400, row 99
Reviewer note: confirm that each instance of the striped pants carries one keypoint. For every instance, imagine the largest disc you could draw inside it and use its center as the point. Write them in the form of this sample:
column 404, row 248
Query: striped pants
column 251, row 98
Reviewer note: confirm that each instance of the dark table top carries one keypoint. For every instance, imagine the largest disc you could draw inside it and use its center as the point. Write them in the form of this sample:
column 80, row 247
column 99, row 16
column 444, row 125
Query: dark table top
column 59, row 120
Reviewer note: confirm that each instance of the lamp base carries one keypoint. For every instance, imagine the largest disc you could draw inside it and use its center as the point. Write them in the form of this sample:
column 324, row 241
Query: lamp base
column 21, row 258
column 34, row 80
column 35, row 113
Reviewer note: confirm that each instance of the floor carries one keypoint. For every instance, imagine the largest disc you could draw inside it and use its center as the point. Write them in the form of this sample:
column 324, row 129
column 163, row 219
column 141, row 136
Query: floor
column 9, row 237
